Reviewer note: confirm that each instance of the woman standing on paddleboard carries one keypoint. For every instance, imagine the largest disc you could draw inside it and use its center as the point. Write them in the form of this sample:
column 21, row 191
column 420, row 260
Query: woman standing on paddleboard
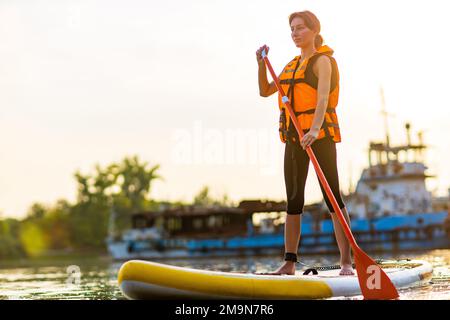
column 311, row 81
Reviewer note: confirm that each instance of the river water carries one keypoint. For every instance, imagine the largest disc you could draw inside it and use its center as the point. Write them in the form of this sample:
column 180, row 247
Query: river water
column 96, row 278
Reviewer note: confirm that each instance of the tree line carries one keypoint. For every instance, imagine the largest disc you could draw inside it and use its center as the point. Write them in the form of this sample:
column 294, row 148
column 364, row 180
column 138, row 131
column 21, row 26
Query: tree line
column 82, row 226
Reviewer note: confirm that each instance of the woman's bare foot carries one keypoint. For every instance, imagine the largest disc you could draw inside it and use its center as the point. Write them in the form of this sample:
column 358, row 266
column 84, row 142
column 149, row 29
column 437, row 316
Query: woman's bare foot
column 288, row 267
column 346, row 270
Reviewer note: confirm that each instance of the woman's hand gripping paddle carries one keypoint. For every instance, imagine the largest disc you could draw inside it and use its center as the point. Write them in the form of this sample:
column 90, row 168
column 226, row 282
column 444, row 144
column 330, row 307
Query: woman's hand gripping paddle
column 374, row 282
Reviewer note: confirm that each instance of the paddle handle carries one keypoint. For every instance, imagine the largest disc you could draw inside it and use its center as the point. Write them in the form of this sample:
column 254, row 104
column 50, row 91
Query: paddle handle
column 311, row 155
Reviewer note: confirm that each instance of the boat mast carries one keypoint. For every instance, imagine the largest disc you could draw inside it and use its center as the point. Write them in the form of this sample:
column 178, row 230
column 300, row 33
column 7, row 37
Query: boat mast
column 385, row 117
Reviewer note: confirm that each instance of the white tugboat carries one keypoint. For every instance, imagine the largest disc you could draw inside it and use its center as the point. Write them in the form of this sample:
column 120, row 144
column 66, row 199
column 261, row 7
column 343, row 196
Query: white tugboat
column 390, row 186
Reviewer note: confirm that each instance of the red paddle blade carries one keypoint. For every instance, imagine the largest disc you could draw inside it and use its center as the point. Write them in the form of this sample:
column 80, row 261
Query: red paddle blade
column 374, row 282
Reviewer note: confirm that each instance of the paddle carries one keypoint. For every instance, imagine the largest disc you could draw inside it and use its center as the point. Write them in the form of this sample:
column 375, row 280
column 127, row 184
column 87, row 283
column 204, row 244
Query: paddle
column 373, row 281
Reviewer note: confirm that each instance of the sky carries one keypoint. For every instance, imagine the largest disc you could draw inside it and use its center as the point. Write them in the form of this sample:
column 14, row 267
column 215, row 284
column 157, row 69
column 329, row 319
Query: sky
column 175, row 82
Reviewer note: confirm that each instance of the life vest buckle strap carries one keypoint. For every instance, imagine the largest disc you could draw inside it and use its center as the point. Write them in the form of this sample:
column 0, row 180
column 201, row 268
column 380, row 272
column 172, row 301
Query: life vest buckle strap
column 333, row 125
column 292, row 81
column 285, row 99
column 311, row 111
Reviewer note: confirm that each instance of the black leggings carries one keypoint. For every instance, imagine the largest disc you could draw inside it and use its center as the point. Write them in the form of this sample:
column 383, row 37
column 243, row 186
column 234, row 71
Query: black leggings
column 296, row 164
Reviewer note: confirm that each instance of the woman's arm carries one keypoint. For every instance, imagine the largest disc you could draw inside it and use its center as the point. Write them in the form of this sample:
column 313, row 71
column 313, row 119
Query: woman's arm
column 266, row 89
column 323, row 67
column 323, row 90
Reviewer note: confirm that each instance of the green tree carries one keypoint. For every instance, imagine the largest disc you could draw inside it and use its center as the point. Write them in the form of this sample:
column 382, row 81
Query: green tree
column 203, row 198
column 10, row 246
column 125, row 185
column 136, row 178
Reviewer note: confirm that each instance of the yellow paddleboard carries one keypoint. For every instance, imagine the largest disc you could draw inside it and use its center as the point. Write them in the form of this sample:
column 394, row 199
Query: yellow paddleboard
column 150, row 280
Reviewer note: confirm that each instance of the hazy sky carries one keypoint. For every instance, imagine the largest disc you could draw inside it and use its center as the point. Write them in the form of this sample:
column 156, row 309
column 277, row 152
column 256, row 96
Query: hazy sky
column 175, row 82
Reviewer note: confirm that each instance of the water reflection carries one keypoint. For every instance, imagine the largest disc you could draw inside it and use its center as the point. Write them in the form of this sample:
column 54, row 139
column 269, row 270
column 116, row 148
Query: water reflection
column 98, row 277
column 97, row 281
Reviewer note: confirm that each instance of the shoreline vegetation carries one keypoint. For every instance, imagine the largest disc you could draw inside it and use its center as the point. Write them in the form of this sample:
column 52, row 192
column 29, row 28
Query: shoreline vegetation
column 56, row 257
column 67, row 229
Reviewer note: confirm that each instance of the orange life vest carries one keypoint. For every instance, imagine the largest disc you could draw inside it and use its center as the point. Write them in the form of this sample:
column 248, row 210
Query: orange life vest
column 300, row 84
